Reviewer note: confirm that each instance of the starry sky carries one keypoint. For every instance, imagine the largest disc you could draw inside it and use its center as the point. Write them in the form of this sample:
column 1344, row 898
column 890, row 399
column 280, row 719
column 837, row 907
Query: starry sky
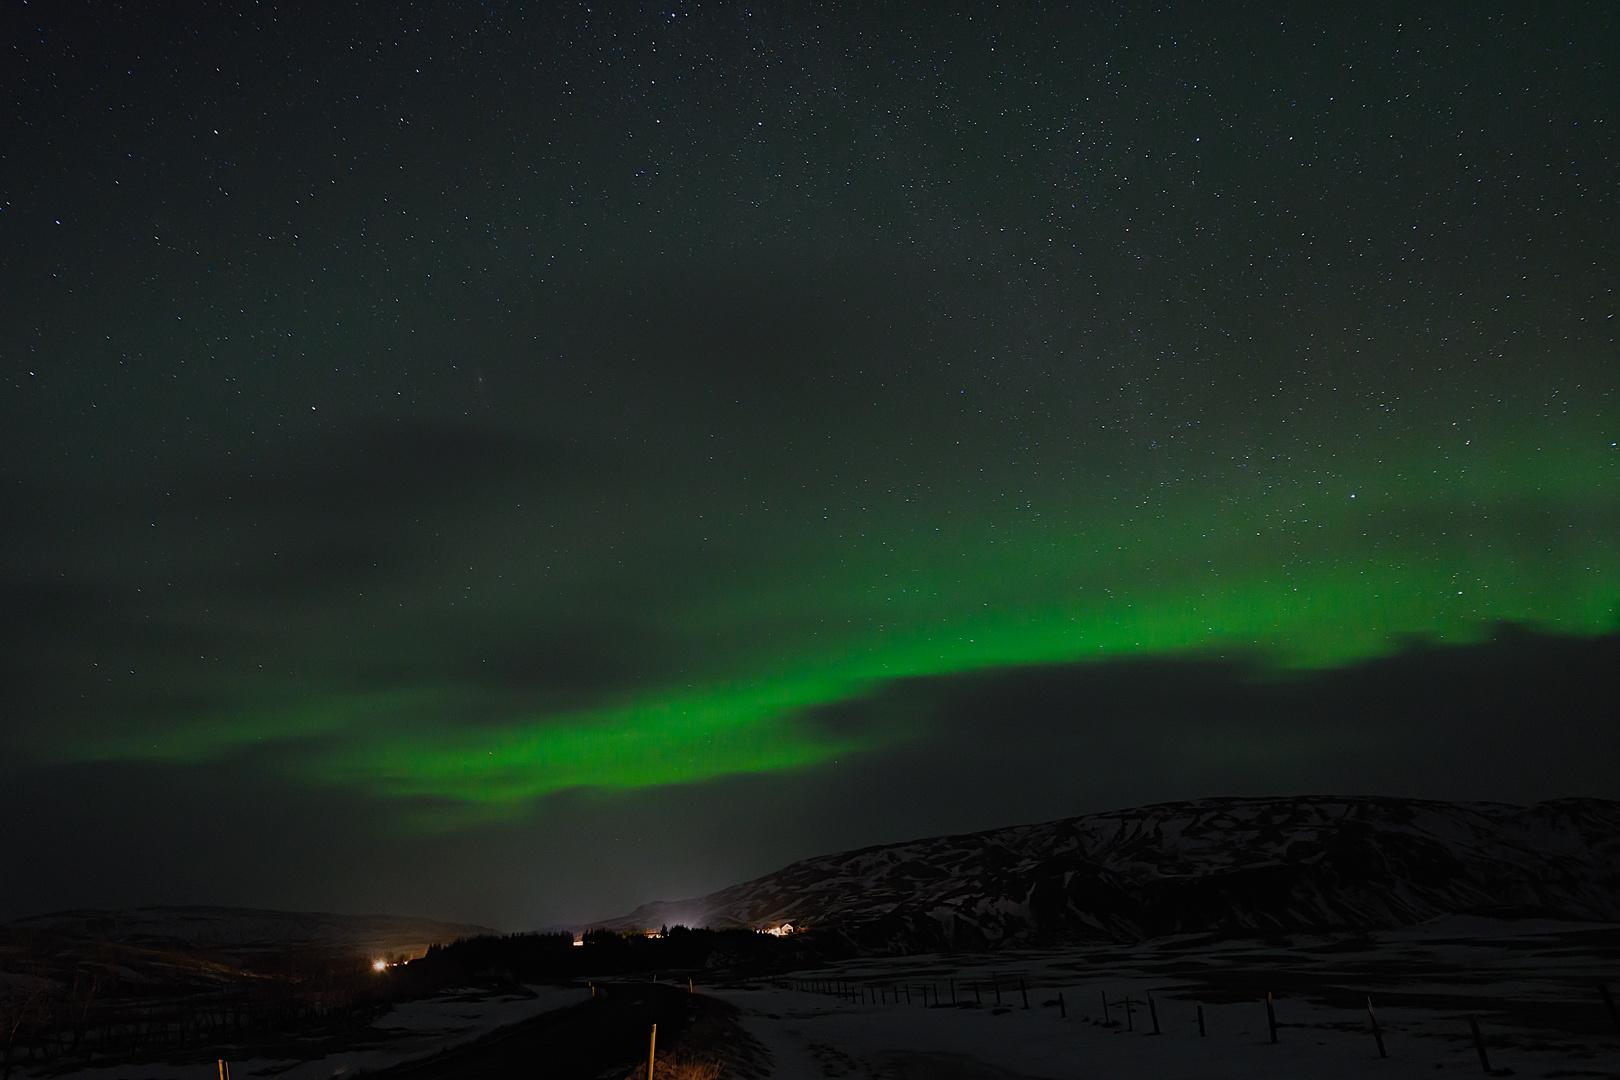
column 513, row 463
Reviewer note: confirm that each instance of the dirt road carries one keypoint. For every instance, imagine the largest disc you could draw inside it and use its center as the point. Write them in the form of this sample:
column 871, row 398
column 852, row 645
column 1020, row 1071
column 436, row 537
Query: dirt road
column 606, row 1035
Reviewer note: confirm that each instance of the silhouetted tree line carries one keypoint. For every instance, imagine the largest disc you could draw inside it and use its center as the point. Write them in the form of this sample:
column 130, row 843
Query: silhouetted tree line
column 518, row 958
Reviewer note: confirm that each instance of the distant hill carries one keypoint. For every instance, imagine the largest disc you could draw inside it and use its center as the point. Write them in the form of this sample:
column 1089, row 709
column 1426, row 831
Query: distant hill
column 243, row 930
column 1223, row 865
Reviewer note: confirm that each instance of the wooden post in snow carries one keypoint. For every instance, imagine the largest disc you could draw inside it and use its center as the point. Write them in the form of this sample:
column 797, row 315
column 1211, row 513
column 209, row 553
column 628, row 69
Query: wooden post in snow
column 1271, row 1017
column 1479, row 1044
column 1153, row 1012
column 1063, row 1010
column 1200, row 1021
column 652, row 1050
column 1378, row 1036
column 1106, row 1021
column 1023, row 992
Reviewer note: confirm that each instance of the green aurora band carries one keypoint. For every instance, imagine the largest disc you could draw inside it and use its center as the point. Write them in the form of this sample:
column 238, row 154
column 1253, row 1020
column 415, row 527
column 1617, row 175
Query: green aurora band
column 1314, row 572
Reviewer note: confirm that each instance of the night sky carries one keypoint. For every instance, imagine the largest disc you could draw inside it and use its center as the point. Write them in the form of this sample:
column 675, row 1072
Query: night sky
column 513, row 464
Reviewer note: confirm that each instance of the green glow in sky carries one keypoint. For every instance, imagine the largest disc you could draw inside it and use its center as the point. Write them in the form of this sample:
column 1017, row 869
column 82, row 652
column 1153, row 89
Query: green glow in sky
column 512, row 464
column 1302, row 566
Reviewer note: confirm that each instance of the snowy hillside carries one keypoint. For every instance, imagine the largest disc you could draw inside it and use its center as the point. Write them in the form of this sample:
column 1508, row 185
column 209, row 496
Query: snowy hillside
column 1215, row 864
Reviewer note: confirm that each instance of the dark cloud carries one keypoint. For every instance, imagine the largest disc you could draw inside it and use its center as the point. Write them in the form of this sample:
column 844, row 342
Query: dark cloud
column 1525, row 716
column 393, row 468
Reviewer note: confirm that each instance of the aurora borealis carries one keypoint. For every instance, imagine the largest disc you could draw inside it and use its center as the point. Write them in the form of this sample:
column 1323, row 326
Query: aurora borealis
column 432, row 431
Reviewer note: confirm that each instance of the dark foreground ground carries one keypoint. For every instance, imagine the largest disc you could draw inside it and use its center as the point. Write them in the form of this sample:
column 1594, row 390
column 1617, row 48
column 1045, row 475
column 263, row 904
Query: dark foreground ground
column 607, row 1036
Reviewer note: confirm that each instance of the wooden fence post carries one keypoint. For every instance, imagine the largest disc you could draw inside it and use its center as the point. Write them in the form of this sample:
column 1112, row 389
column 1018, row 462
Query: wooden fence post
column 1378, row 1036
column 1200, row 1021
column 1153, row 1012
column 652, row 1050
column 1271, row 1017
column 1023, row 992
column 1130, row 1019
column 1479, row 1044
column 1063, row 1010
column 1106, row 1021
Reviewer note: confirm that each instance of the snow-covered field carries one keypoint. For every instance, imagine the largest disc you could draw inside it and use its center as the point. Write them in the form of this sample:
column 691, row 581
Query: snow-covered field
column 411, row 1030
column 1531, row 986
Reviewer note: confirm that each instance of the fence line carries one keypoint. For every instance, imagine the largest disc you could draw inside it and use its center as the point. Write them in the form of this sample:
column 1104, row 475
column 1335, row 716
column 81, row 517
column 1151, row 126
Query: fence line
column 890, row 993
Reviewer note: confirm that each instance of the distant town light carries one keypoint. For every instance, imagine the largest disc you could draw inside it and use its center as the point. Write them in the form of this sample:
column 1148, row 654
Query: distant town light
column 379, row 965
column 780, row 931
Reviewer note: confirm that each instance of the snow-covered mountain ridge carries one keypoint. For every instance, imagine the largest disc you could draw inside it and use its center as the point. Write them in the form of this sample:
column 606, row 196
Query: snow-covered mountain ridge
column 1229, row 864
